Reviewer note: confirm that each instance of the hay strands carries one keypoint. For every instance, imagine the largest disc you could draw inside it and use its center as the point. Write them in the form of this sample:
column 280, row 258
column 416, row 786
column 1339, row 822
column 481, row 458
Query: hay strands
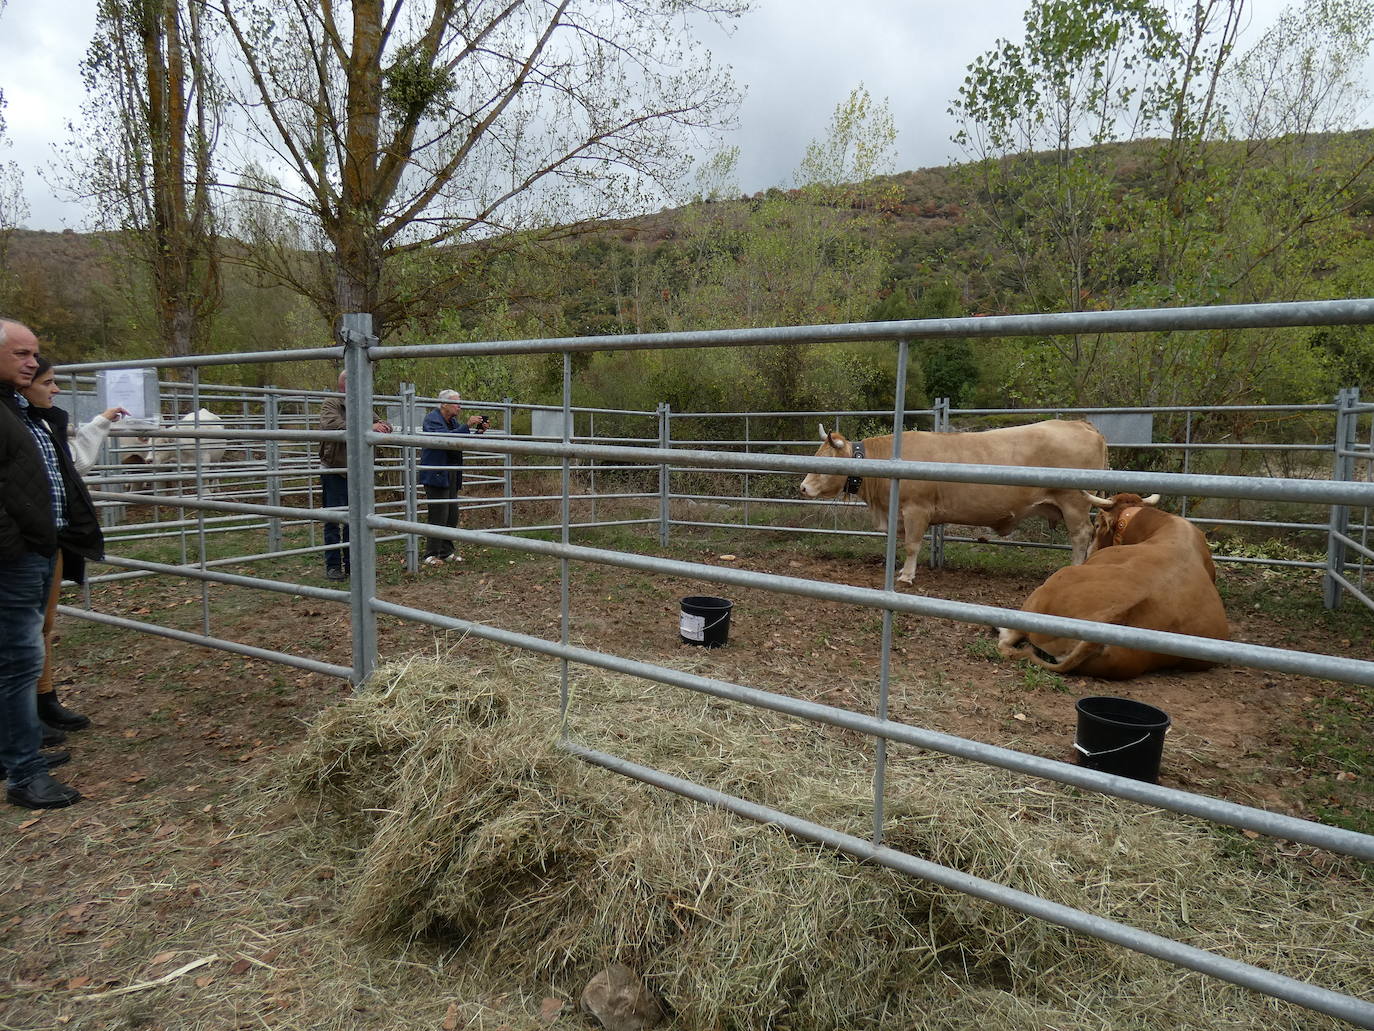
column 195, row 964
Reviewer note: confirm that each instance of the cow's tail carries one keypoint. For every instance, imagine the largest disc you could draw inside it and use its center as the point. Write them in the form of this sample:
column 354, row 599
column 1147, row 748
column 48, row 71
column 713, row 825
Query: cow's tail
column 1016, row 644
column 1081, row 653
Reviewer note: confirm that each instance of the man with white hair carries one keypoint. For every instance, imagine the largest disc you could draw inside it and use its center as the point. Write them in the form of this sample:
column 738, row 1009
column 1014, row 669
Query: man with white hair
column 44, row 508
column 441, row 475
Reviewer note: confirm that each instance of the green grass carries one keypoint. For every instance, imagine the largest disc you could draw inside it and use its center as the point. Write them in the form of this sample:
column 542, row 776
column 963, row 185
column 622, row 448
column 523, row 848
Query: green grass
column 1333, row 739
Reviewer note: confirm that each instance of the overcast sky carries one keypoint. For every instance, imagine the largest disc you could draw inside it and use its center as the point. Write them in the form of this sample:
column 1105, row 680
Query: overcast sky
column 797, row 60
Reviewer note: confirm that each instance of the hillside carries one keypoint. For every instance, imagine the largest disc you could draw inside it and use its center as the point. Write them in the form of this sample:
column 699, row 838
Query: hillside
column 1246, row 222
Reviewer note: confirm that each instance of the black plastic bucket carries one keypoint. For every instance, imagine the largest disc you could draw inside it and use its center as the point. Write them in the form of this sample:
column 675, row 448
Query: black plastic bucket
column 1117, row 735
column 705, row 620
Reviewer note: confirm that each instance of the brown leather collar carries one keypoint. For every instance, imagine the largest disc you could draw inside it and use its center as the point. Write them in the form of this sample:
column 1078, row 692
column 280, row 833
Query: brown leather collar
column 1127, row 514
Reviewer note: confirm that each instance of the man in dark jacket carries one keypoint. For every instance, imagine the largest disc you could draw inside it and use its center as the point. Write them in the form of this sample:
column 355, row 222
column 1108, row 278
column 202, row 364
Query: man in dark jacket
column 43, row 506
column 334, row 480
column 441, row 475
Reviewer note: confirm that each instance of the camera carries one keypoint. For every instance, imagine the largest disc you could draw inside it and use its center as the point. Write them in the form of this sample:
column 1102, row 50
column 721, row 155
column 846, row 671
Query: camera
column 481, row 425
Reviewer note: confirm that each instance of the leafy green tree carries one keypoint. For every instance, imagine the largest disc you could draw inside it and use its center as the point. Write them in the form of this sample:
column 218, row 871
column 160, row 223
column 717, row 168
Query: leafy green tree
column 1086, row 219
column 13, row 208
column 143, row 156
column 399, row 127
column 812, row 254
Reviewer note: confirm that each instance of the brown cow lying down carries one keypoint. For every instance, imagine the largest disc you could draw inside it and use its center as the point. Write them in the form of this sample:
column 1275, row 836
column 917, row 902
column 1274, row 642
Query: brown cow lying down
column 1147, row 569
column 1054, row 443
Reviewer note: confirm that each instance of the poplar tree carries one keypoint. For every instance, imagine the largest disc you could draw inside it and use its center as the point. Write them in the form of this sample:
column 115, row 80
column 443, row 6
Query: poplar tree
column 395, row 127
column 142, row 156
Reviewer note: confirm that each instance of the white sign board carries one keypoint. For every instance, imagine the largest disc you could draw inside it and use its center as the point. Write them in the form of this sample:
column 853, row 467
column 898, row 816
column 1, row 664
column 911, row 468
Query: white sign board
column 546, row 422
column 134, row 390
column 1125, row 427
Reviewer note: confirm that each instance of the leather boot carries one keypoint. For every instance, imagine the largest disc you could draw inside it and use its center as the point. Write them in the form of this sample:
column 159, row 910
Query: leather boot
column 43, row 792
column 52, row 712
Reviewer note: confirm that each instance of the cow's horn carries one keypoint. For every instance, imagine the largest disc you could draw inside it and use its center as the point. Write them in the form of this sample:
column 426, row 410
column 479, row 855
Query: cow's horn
column 1097, row 502
column 1153, row 499
column 824, row 436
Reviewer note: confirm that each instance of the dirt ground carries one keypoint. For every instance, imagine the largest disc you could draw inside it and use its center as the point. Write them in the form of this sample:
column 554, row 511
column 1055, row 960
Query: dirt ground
column 92, row 894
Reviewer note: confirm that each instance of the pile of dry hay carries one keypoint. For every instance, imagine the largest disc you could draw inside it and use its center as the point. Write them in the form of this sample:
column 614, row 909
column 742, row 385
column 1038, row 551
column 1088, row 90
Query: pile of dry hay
column 467, row 825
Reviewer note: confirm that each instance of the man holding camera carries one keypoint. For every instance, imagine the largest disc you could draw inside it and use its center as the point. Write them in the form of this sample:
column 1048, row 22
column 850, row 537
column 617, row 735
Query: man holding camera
column 441, row 473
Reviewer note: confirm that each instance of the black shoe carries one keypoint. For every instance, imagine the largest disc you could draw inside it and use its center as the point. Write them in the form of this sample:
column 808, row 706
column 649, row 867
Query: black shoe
column 335, row 574
column 55, row 714
column 51, row 735
column 42, row 792
column 57, row 757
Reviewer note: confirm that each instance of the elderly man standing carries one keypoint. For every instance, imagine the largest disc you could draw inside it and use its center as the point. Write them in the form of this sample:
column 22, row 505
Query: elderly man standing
column 44, row 506
column 334, row 480
column 441, row 475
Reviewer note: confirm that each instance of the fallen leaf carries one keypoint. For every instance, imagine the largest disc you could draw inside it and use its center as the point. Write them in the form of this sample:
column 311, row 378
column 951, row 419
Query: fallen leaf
column 727, row 558
column 29, row 823
column 451, row 1017
column 239, row 966
column 204, row 981
column 1252, row 835
column 549, row 1010
column 1019, row 716
column 134, row 778
column 79, row 982
column 1346, row 775
column 161, row 957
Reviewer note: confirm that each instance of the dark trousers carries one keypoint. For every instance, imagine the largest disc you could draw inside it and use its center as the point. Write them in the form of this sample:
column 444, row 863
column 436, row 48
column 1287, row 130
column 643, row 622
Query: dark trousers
column 334, row 487
column 441, row 510
column 24, row 585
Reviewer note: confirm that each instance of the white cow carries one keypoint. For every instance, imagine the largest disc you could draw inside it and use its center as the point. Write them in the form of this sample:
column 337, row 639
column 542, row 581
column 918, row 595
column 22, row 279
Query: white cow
column 178, row 454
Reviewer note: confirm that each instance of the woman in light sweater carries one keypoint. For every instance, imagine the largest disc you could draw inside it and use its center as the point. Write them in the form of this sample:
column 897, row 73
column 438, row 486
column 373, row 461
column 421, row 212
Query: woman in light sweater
column 84, row 448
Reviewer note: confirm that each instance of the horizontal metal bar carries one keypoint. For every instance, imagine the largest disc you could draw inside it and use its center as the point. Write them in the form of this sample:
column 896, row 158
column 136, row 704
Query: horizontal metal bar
column 1353, row 544
column 1345, row 583
column 1333, row 492
column 209, row 431
column 299, row 662
column 319, row 515
column 1222, row 316
column 1330, row 667
column 1267, row 982
column 301, row 354
column 241, row 559
column 195, row 572
column 1335, row 839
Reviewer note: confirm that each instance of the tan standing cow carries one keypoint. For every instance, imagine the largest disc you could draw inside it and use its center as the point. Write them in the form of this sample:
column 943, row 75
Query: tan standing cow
column 1149, row 569
column 1056, row 443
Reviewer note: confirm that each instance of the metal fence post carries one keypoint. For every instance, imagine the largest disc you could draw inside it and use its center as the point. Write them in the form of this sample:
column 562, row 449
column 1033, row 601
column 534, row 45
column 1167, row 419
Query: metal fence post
column 508, row 461
column 409, row 477
column 591, row 463
column 747, row 449
column 940, row 424
column 1343, row 468
column 356, row 336
column 272, row 416
column 664, row 442
column 889, row 573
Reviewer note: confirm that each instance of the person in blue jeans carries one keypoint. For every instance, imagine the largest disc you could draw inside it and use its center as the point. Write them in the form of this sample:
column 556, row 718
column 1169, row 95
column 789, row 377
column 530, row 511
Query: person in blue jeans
column 334, row 480
column 44, row 507
column 441, row 476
